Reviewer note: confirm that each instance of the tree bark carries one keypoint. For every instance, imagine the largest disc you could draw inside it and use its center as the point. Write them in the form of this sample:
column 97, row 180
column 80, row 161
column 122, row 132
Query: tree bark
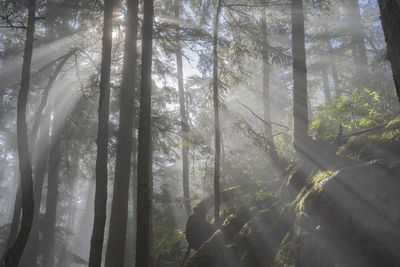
column 269, row 139
column 265, row 83
column 144, row 165
column 357, row 32
column 100, row 202
column 46, row 91
column 115, row 253
column 390, row 17
column 332, row 59
column 325, row 83
column 16, row 218
column 52, row 197
column 32, row 248
column 184, row 119
column 217, row 129
column 300, row 107
column 13, row 255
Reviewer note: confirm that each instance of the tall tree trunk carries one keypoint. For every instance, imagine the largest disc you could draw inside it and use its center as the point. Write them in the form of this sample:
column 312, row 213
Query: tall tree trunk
column 184, row 119
column 265, row 83
column 390, row 17
column 49, row 225
column 13, row 255
column 119, row 211
column 325, row 83
column 16, row 218
column 216, row 116
column 144, row 165
column 32, row 248
column 332, row 60
column 269, row 139
column 100, row 201
column 358, row 40
column 132, row 245
column 300, row 107
column 46, row 91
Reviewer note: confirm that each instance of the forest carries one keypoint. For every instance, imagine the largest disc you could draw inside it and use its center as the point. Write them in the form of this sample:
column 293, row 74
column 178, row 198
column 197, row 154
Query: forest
column 200, row 133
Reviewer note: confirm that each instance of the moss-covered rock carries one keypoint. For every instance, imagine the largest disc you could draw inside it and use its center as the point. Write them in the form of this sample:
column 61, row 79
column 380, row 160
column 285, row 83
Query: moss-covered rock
column 349, row 218
column 383, row 143
column 234, row 222
column 214, row 253
column 259, row 239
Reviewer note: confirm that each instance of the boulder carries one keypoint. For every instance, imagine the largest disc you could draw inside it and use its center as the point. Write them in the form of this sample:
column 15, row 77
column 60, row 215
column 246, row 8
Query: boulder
column 348, row 218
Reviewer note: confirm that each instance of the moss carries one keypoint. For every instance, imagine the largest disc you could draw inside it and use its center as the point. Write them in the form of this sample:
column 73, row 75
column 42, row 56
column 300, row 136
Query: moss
column 282, row 258
column 259, row 239
column 379, row 143
column 312, row 187
column 213, row 252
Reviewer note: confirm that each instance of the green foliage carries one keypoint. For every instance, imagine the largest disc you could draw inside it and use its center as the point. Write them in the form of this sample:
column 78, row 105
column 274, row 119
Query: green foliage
column 365, row 108
column 169, row 249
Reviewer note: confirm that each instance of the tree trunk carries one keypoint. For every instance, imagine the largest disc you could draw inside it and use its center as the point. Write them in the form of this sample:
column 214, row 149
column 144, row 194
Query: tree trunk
column 32, row 248
column 119, row 211
column 184, row 119
column 269, row 139
column 49, row 226
column 216, row 117
column 390, row 16
column 100, row 202
column 46, row 91
column 13, row 255
column 144, row 165
column 300, row 107
column 335, row 74
column 358, row 40
column 325, row 82
column 16, row 218
column 265, row 83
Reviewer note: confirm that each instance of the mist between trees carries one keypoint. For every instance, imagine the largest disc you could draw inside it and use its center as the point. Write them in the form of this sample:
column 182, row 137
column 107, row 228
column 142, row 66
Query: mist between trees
column 199, row 133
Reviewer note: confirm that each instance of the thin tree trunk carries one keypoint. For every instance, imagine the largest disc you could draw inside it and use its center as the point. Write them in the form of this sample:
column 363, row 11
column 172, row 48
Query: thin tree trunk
column 46, row 91
column 52, row 197
column 358, row 40
column 16, row 218
column 300, row 107
column 132, row 246
column 115, row 253
column 325, row 82
column 144, row 165
column 265, row 83
column 269, row 139
column 335, row 74
column 32, row 248
column 13, row 255
column 184, row 120
column 31, row 251
column 216, row 117
column 390, row 17
column 100, row 202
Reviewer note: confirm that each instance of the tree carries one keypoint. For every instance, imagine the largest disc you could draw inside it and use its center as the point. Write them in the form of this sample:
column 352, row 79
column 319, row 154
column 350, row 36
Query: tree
column 390, row 17
column 119, row 210
column 217, row 130
column 144, row 164
column 300, row 110
column 52, row 192
column 184, row 119
column 13, row 255
column 43, row 114
column 357, row 35
column 100, row 202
